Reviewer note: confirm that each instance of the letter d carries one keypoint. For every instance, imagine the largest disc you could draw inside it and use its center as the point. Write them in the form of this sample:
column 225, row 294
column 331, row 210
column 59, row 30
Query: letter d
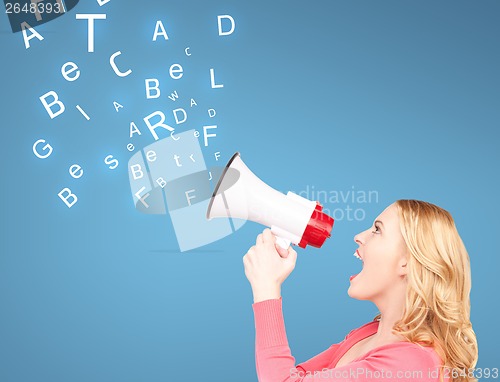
column 219, row 22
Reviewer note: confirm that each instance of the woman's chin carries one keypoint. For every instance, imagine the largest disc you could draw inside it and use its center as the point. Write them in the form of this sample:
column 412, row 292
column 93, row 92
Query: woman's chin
column 357, row 296
column 352, row 293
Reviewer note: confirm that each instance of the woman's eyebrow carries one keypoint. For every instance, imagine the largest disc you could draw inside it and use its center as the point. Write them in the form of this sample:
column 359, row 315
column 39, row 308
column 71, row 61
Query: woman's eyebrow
column 378, row 221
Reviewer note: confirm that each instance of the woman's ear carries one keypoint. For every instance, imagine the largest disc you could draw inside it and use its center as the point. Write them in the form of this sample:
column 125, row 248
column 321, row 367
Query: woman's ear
column 403, row 265
column 403, row 270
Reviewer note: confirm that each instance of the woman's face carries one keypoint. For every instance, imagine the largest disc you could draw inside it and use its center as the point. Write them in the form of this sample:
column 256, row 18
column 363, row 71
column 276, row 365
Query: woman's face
column 383, row 251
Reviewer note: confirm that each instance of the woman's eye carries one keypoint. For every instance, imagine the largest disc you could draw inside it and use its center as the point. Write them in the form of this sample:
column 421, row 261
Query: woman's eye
column 377, row 229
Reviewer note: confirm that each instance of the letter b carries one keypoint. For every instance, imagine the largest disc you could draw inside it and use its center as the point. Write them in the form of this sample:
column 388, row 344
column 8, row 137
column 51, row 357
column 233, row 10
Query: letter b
column 69, row 195
column 136, row 171
column 48, row 106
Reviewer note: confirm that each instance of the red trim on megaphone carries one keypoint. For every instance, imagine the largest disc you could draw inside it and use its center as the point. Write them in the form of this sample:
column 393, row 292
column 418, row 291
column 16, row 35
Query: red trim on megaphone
column 318, row 228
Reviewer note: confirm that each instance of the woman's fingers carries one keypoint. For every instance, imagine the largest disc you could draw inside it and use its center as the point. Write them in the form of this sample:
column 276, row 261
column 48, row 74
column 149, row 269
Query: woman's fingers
column 262, row 267
column 259, row 239
column 292, row 258
column 282, row 251
column 268, row 236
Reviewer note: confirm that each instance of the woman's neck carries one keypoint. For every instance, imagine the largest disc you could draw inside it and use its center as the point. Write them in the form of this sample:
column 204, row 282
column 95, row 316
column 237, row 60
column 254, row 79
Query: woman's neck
column 391, row 310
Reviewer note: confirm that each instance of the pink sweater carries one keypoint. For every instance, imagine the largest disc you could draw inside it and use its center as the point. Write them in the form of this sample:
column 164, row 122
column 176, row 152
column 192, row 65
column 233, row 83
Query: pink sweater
column 401, row 361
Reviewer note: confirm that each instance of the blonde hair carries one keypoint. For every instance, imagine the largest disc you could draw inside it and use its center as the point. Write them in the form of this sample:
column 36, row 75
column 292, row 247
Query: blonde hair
column 437, row 307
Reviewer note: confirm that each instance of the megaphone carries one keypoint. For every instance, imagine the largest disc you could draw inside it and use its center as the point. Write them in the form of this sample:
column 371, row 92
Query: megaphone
column 240, row 194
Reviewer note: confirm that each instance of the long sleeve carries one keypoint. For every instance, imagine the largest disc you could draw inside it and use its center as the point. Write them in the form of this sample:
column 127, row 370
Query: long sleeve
column 272, row 353
column 275, row 363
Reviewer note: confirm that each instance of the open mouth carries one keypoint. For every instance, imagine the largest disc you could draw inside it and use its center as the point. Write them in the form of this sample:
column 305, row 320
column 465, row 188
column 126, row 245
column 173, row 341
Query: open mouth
column 356, row 254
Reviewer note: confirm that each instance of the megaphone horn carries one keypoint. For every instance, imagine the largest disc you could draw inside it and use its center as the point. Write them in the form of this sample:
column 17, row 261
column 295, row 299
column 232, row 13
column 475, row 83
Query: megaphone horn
column 240, row 194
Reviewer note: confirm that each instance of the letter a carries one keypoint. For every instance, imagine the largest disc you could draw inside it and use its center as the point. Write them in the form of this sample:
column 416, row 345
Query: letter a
column 117, row 106
column 159, row 26
column 33, row 34
column 134, row 129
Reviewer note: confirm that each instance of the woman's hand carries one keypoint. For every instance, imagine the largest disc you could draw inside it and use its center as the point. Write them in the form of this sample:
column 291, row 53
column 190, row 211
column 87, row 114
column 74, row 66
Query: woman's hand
column 267, row 265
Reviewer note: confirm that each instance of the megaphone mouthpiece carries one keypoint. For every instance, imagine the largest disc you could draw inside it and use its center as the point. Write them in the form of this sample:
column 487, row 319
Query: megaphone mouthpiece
column 318, row 228
column 239, row 193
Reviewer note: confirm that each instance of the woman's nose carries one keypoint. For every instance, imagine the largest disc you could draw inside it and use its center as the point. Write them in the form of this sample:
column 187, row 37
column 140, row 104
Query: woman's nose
column 358, row 239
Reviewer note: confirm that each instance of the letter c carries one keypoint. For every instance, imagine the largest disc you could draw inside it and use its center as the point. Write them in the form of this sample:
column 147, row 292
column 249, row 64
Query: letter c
column 174, row 138
column 115, row 68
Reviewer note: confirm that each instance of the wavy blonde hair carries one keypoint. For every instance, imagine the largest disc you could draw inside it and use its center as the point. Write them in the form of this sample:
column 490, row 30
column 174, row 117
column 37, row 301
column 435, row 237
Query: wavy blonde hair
column 437, row 307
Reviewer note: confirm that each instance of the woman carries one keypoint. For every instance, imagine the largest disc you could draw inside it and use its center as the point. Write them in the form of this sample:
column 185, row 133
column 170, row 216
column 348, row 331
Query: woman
column 415, row 270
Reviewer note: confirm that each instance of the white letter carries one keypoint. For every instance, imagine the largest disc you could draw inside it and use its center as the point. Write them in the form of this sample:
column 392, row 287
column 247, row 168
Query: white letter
column 134, row 129
column 217, row 155
column 83, row 112
column 205, row 135
column 159, row 124
column 69, row 195
column 142, row 198
column 211, row 113
column 46, row 147
column 159, row 25
column 117, row 106
column 76, row 171
column 161, row 182
column 156, row 88
column 219, row 19
column 102, row 2
column 188, row 197
column 151, row 155
column 212, row 79
column 193, row 102
column 113, row 163
column 176, row 157
column 136, row 169
column 175, row 68
column 90, row 17
column 130, row 147
column 65, row 72
column 173, row 96
column 175, row 116
column 187, row 51
column 27, row 38
column 115, row 68
column 49, row 105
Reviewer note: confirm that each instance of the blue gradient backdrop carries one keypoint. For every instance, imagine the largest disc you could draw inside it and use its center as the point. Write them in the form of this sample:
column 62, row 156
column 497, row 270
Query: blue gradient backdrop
column 401, row 98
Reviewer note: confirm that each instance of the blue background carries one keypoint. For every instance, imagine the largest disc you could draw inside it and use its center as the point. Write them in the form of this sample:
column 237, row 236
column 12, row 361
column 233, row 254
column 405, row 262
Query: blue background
column 397, row 97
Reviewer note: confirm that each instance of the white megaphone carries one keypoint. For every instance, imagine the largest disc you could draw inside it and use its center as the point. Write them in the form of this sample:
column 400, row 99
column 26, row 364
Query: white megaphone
column 240, row 194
